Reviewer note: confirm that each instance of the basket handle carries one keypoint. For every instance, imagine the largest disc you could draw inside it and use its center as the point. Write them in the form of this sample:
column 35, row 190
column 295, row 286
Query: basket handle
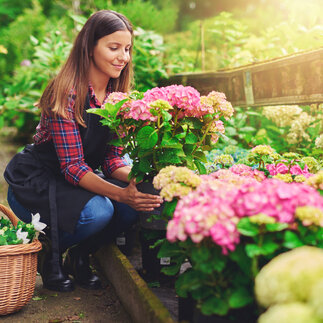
column 12, row 217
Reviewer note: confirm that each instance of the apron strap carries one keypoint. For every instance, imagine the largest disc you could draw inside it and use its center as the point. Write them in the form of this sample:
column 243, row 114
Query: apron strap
column 53, row 220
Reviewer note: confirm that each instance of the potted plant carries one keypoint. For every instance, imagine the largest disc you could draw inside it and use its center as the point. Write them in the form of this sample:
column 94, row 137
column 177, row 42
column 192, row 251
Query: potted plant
column 18, row 260
column 228, row 228
column 170, row 125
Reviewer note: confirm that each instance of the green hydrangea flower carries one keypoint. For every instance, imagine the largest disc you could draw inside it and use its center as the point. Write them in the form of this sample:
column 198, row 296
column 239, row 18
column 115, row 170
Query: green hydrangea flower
column 289, row 313
column 289, row 277
column 284, row 177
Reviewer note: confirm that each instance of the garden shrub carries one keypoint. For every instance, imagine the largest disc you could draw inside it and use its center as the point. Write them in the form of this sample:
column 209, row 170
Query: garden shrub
column 148, row 16
column 29, row 81
column 16, row 38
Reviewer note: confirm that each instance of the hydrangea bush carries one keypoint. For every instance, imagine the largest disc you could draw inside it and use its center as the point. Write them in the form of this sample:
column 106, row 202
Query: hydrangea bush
column 172, row 125
column 229, row 224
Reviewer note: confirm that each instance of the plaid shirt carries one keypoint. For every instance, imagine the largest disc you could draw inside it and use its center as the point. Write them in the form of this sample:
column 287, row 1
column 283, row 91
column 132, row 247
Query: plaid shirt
column 67, row 141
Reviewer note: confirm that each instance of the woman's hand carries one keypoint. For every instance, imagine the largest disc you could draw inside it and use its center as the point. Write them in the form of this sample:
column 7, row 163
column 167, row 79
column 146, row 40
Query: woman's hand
column 137, row 200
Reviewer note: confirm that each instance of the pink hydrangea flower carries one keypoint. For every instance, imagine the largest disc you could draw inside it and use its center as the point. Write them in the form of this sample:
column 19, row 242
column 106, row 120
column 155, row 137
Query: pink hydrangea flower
column 139, row 110
column 280, row 168
column 214, row 208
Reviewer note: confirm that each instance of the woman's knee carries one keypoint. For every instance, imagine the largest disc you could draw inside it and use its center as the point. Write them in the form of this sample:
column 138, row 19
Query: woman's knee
column 22, row 213
column 98, row 210
column 126, row 217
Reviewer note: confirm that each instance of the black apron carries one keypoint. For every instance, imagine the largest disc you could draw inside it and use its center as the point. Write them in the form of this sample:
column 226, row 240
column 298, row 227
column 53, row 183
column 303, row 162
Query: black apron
column 37, row 183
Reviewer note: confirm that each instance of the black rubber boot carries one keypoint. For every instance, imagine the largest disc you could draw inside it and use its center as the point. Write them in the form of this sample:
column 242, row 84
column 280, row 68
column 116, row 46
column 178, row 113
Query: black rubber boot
column 53, row 276
column 77, row 264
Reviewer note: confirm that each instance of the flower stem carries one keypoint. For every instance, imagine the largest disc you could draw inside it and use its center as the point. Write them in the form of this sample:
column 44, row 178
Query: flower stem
column 203, row 138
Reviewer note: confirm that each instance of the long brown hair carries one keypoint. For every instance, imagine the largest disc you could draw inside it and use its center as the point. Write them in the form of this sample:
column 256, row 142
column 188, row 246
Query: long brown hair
column 74, row 73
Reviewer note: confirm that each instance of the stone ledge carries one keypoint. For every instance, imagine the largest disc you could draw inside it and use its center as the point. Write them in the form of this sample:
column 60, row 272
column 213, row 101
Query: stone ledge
column 139, row 301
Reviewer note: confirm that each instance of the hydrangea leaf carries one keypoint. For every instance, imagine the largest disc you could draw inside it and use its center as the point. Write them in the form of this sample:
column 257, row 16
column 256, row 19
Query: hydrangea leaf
column 200, row 254
column 240, row 297
column 145, row 165
column 247, row 228
column 191, row 139
column 272, row 227
column 291, row 240
column 200, row 156
column 147, row 137
column 169, row 156
column 215, row 305
column 200, row 167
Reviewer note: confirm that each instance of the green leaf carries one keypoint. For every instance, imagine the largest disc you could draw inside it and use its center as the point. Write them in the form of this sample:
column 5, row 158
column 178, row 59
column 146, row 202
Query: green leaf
column 180, row 135
column 170, row 142
column 253, row 250
column 144, row 152
column 39, row 298
column 200, row 254
column 147, row 137
column 171, row 270
column 168, row 157
column 188, row 281
column 166, row 115
column 247, row 129
column 247, row 228
column 169, row 208
column 191, row 139
column 269, row 246
column 200, row 155
column 193, row 123
column 202, row 293
column 116, row 142
column 100, row 112
column 240, row 297
column 145, row 165
column 3, row 241
column 113, row 109
column 188, row 149
column 215, row 305
column 272, row 227
column 200, row 167
column 230, row 131
column 291, row 240
column 244, row 262
column 168, row 249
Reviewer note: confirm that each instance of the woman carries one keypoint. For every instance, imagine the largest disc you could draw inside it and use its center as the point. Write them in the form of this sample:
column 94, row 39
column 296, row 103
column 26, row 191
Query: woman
column 56, row 176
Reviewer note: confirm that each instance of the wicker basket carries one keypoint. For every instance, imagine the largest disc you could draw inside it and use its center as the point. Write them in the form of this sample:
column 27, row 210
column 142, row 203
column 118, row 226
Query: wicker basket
column 18, row 268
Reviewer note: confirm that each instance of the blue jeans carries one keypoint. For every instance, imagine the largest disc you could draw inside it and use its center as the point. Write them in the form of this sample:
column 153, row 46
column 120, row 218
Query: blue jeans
column 95, row 216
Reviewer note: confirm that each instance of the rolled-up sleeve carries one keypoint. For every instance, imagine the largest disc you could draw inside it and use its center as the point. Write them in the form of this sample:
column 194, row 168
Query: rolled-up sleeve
column 113, row 160
column 67, row 141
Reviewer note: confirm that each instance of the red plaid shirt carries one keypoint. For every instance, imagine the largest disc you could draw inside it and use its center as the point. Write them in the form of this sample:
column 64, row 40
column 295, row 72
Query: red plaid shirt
column 67, row 141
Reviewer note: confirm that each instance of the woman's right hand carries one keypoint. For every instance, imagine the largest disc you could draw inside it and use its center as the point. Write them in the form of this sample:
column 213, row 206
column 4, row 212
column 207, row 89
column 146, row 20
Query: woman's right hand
column 137, row 200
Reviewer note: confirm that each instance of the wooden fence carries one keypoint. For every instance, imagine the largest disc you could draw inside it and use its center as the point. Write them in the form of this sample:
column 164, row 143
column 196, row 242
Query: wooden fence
column 294, row 79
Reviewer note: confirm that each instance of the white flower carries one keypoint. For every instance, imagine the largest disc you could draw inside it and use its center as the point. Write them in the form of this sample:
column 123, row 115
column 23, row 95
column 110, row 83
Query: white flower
column 1, row 232
column 39, row 226
column 22, row 236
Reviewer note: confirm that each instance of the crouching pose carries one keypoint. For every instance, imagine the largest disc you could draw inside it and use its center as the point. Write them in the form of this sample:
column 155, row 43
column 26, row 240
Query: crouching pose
column 57, row 175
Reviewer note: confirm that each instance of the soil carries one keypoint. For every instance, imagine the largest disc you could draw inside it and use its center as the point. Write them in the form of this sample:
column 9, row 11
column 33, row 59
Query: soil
column 78, row 306
column 53, row 307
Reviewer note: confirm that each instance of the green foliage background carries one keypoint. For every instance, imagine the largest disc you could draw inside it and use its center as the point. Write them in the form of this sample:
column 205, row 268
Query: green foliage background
column 38, row 34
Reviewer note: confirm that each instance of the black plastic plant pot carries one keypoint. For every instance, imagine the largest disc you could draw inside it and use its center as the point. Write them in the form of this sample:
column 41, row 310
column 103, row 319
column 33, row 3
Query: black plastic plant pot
column 188, row 311
column 151, row 264
column 146, row 219
column 127, row 240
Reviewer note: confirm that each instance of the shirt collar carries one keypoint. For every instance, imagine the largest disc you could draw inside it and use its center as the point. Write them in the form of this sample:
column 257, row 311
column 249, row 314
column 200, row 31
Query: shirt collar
column 93, row 97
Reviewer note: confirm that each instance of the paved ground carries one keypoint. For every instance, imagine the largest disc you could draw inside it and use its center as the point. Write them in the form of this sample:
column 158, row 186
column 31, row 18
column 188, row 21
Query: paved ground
column 51, row 307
